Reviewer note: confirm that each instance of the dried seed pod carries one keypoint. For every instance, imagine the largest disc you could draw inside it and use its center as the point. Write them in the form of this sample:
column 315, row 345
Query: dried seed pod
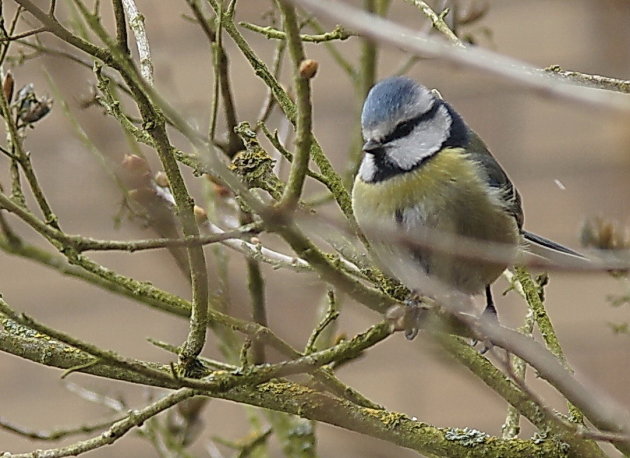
column 31, row 108
column 604, row 235
column 308, row 68
column 8, row 84
column 25, row 95
column 37, row 111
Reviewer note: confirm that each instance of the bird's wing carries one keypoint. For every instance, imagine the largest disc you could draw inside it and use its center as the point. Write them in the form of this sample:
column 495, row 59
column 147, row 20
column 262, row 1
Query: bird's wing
column 534, row 244
column 497, row 178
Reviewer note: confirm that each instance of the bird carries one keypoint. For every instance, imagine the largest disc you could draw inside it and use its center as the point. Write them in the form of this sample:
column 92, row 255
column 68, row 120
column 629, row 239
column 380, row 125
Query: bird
column 425, row 172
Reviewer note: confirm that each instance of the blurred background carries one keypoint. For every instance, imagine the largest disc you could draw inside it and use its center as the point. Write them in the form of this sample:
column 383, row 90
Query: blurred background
column 569, row 162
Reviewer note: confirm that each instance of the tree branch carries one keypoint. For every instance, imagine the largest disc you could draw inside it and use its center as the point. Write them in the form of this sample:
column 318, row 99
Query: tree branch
column 295, row 399
column 303, row 123
column 509, row 69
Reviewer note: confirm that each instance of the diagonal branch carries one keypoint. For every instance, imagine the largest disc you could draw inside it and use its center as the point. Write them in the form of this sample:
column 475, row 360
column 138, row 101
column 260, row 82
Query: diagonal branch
column 388, row 32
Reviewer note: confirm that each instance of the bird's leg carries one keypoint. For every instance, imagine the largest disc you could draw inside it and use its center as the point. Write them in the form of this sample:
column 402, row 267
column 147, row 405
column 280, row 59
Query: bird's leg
column 490, row 313
column 491, row 310
column 413, row 317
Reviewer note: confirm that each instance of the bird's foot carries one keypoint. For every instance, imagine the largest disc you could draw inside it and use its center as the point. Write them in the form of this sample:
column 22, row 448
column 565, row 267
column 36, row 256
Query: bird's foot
column 489, row 314
column 408, row 317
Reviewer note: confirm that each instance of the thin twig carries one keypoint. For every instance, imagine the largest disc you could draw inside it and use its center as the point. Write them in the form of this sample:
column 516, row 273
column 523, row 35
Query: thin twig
column 437, row 21
column 602, row 411
column 277, row 144
column 330, row 316
column 136, row 22
column 303, row 123
column 466, row 248
column 363, row 81
column 4, row 34
column 117, row 430
column 268, row 103
column 121, row 25
column 156, row 127
column 86, row 244
column 338, row 33
column 596, row 81
column 56, row 434
column 80, row 243
column 511, row 428
column 339, row 59
column 19, row 36
column 535, row 303
column 117, row 405
column 256, row 286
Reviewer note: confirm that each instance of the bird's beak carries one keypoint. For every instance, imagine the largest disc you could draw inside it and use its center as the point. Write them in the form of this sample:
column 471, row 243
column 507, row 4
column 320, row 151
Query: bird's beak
column 372, row 146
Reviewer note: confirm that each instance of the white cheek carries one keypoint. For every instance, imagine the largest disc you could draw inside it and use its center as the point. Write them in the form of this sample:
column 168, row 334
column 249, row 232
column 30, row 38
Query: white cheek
column 405, row 153
column 425, row 140
column 367, row 168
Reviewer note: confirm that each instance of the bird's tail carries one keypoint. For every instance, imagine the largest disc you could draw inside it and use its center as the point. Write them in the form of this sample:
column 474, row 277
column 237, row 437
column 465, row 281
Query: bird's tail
column 548, row 249
column 550, row 244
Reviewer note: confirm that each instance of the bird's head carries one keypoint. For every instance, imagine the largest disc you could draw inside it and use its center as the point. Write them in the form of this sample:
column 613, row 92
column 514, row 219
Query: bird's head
column 403, row 124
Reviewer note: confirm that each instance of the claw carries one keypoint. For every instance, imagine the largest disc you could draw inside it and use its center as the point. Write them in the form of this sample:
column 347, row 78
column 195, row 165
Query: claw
column 411, row 333
column 407, row 318
column 487, row 346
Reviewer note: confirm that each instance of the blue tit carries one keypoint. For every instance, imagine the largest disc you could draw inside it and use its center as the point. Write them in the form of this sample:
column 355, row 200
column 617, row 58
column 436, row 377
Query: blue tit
column 424, row 169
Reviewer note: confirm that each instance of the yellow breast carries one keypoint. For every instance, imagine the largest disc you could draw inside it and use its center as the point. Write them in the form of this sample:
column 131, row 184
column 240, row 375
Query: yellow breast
column 448, row 195
column 440, row 178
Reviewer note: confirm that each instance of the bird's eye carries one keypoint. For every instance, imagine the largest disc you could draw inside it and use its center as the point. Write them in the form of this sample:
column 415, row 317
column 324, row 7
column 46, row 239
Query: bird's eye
column 403, row 129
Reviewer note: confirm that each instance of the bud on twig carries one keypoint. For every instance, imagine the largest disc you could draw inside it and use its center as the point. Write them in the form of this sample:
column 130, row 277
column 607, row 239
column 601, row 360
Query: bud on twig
column 136, row 171
column 218, row 188
column 161, row 179
column 308, row 68
column 201, row 215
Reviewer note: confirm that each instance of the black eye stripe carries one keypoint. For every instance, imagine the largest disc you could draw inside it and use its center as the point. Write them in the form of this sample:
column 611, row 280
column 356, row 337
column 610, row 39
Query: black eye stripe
column 404, row 128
